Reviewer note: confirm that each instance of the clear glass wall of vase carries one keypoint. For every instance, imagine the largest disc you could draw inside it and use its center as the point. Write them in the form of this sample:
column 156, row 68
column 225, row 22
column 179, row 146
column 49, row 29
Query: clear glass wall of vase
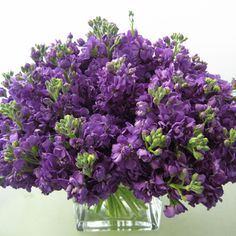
column 120, row 212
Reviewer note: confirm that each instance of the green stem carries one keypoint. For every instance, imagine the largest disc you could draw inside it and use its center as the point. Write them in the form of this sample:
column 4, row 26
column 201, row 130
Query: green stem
column 121, row 204
column 110, row 208
column 99, row 206
column 130, row 203
column 135, row 204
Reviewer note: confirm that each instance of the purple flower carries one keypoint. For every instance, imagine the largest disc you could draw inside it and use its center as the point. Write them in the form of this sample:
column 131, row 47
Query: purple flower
column 152, row 118
column 172, row 210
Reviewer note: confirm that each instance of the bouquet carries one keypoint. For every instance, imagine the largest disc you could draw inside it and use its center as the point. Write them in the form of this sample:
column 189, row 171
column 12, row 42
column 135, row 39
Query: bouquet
column 117, row 116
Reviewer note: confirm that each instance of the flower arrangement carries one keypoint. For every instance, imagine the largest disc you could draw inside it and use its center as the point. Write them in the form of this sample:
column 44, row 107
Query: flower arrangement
column 116, row 116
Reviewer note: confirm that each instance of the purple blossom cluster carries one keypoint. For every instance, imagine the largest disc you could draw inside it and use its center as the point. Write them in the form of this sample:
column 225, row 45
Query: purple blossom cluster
column 90, row 115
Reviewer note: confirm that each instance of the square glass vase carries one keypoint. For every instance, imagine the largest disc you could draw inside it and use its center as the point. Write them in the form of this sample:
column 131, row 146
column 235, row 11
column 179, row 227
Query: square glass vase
column 143, row 218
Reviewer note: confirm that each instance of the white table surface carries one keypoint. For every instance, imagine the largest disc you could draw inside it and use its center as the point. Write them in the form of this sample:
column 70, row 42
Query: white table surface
column 33, row 214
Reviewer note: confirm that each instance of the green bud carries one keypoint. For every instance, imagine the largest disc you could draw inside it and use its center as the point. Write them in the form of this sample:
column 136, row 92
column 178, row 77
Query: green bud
column 41, row 49
column 197, row 189
column 90, row 23
column 148, row 139
column 158, row 94
column 155, row 141
column 34, row 151
column 8, row 153
column 4, row 93
column 8, row 109
column 183, row 175
column 66, row 88
column 178, row 39
column 94, row 52
column 1, row 179
column 225, row 131
column 195, row 185
column 7, row 78
column 91, row 158
column 197, row 155
column 53, row 60
column 192, row 141
column 15, row 143
column 159, row 131
column 69, row 126
column 30, row 157
column 59, row 54
column 11, row 111
column 110, row 49
column 63, row 49
column 231, row 139
column 232, row 135
column 153, row 132
column 54, row 86
column 101, row 27
column 131, row 19
column 115, row 65
column 157, row 152
column 208, row 115
column 198, row 144
column 216, row 88
column 163, row 139
column 8, row 75
column 117, row 40
column 85, row 162
column 211, row 86
column 210, row 81
column 203, row 148
column 233, row 83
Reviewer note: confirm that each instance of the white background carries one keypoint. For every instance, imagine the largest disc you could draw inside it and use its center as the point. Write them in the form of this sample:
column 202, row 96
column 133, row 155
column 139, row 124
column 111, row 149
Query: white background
column 210, row 27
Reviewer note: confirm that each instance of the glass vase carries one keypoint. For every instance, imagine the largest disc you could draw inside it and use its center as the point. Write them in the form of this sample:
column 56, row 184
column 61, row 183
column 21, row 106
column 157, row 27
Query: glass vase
column 119, row 213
